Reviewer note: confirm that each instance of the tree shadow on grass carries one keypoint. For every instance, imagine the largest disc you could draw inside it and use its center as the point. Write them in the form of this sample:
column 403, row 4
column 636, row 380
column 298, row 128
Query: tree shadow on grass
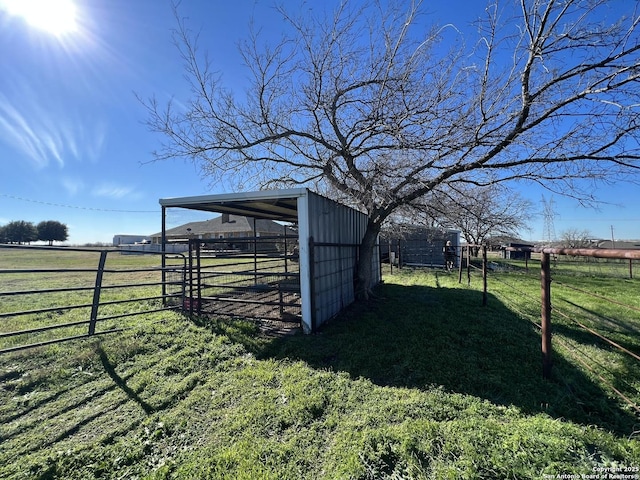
column 121, row 382
column 419, row 336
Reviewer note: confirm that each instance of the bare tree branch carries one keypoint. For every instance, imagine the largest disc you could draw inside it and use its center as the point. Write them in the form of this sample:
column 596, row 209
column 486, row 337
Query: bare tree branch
column 369, row 104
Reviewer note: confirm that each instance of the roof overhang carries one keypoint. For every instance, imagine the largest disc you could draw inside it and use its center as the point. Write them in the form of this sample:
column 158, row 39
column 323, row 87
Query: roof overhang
column 270, row 204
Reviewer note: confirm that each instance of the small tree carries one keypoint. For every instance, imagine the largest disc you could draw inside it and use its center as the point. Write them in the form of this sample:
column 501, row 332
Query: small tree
column 52, row 231
column 479, row 212
column 20, row 232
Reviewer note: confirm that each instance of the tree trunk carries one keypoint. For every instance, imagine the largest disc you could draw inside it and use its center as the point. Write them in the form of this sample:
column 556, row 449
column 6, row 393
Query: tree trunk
column 364, row 267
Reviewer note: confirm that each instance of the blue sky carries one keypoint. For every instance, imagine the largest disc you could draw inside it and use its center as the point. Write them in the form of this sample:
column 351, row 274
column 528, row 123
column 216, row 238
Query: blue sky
column 73, row 144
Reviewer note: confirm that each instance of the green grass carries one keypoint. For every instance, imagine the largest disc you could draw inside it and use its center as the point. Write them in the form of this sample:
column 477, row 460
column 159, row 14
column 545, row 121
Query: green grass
column 121, row 271
column 421, row 382
column 578, row 301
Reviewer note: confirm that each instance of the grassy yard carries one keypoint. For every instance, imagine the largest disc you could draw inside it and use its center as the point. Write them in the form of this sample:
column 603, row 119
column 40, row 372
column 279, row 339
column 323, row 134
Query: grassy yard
column 421, row 382
column 591, row 302
column 63, row 281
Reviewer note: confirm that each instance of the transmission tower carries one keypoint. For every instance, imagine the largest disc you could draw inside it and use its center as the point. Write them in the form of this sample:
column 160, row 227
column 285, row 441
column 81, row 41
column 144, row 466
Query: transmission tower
column 549, row 221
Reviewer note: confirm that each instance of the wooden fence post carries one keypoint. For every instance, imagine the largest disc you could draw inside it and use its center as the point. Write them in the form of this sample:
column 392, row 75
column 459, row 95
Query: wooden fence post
column 545, row 280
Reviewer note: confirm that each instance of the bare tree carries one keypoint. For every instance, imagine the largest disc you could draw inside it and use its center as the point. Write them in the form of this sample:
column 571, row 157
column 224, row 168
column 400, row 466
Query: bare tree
column 576, row 238
column 369, row 103
column 478, row 212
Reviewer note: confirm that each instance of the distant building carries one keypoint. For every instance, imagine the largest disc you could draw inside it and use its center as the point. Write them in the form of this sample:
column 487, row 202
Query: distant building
column 422, row 246
column 234, row 229
column 624, row 244
column 130, row 239
column 517, row 251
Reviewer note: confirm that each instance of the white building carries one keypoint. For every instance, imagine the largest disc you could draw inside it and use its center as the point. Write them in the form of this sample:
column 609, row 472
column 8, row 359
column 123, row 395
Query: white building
column 130, row 239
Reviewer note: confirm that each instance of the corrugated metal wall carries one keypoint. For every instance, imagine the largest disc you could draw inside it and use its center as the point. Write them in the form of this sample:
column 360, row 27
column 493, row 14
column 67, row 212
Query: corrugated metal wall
column 422, row 246
column 337, row 231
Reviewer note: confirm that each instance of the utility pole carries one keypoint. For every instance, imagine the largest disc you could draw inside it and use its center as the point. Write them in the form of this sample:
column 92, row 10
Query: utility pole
column 613, row 240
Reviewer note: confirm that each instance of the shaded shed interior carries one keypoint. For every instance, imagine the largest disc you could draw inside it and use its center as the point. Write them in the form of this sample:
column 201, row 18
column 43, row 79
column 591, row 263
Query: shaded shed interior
column 256, row 277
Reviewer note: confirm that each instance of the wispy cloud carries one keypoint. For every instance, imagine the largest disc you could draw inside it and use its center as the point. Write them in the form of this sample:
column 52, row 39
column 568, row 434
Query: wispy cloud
column 25, row 136
column 114, row 191
column 46, row 134
column 72, row 186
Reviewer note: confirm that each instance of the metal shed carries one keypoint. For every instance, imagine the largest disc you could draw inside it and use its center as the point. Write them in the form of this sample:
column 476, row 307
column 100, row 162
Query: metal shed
column 329, row 235
column 420, row 246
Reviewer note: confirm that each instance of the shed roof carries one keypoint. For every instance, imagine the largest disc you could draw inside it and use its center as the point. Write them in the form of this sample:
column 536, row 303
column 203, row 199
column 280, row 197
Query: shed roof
column 269, row 204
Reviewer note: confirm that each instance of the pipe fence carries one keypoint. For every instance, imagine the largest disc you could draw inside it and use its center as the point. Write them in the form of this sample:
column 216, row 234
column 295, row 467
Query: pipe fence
column 244, row 277
column 568, row 263
column 55, row 294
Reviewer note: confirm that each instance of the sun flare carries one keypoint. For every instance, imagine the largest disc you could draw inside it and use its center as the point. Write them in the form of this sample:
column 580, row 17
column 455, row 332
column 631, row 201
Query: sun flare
column 57, row 17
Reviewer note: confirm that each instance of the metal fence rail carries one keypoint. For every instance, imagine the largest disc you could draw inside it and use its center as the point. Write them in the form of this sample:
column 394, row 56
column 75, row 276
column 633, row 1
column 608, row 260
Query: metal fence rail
column 248, row 277
column 549, row 257
column 80, row 299
column 545, row 278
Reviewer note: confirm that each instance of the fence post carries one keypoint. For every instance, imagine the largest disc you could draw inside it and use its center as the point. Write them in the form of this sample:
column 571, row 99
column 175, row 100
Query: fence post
column 460, row 264
column 191, row 302
column 199, row 276
column 545, row 280
column 96, row 293
column 255, row 253
column 484, row 275
column 468, row 264
column 163, row 259
column 285, row 248
column 630, row 268
column 184, row 282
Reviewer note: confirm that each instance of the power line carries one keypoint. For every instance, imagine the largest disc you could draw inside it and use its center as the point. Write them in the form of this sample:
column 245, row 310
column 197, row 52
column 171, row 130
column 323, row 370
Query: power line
column 77, row 207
